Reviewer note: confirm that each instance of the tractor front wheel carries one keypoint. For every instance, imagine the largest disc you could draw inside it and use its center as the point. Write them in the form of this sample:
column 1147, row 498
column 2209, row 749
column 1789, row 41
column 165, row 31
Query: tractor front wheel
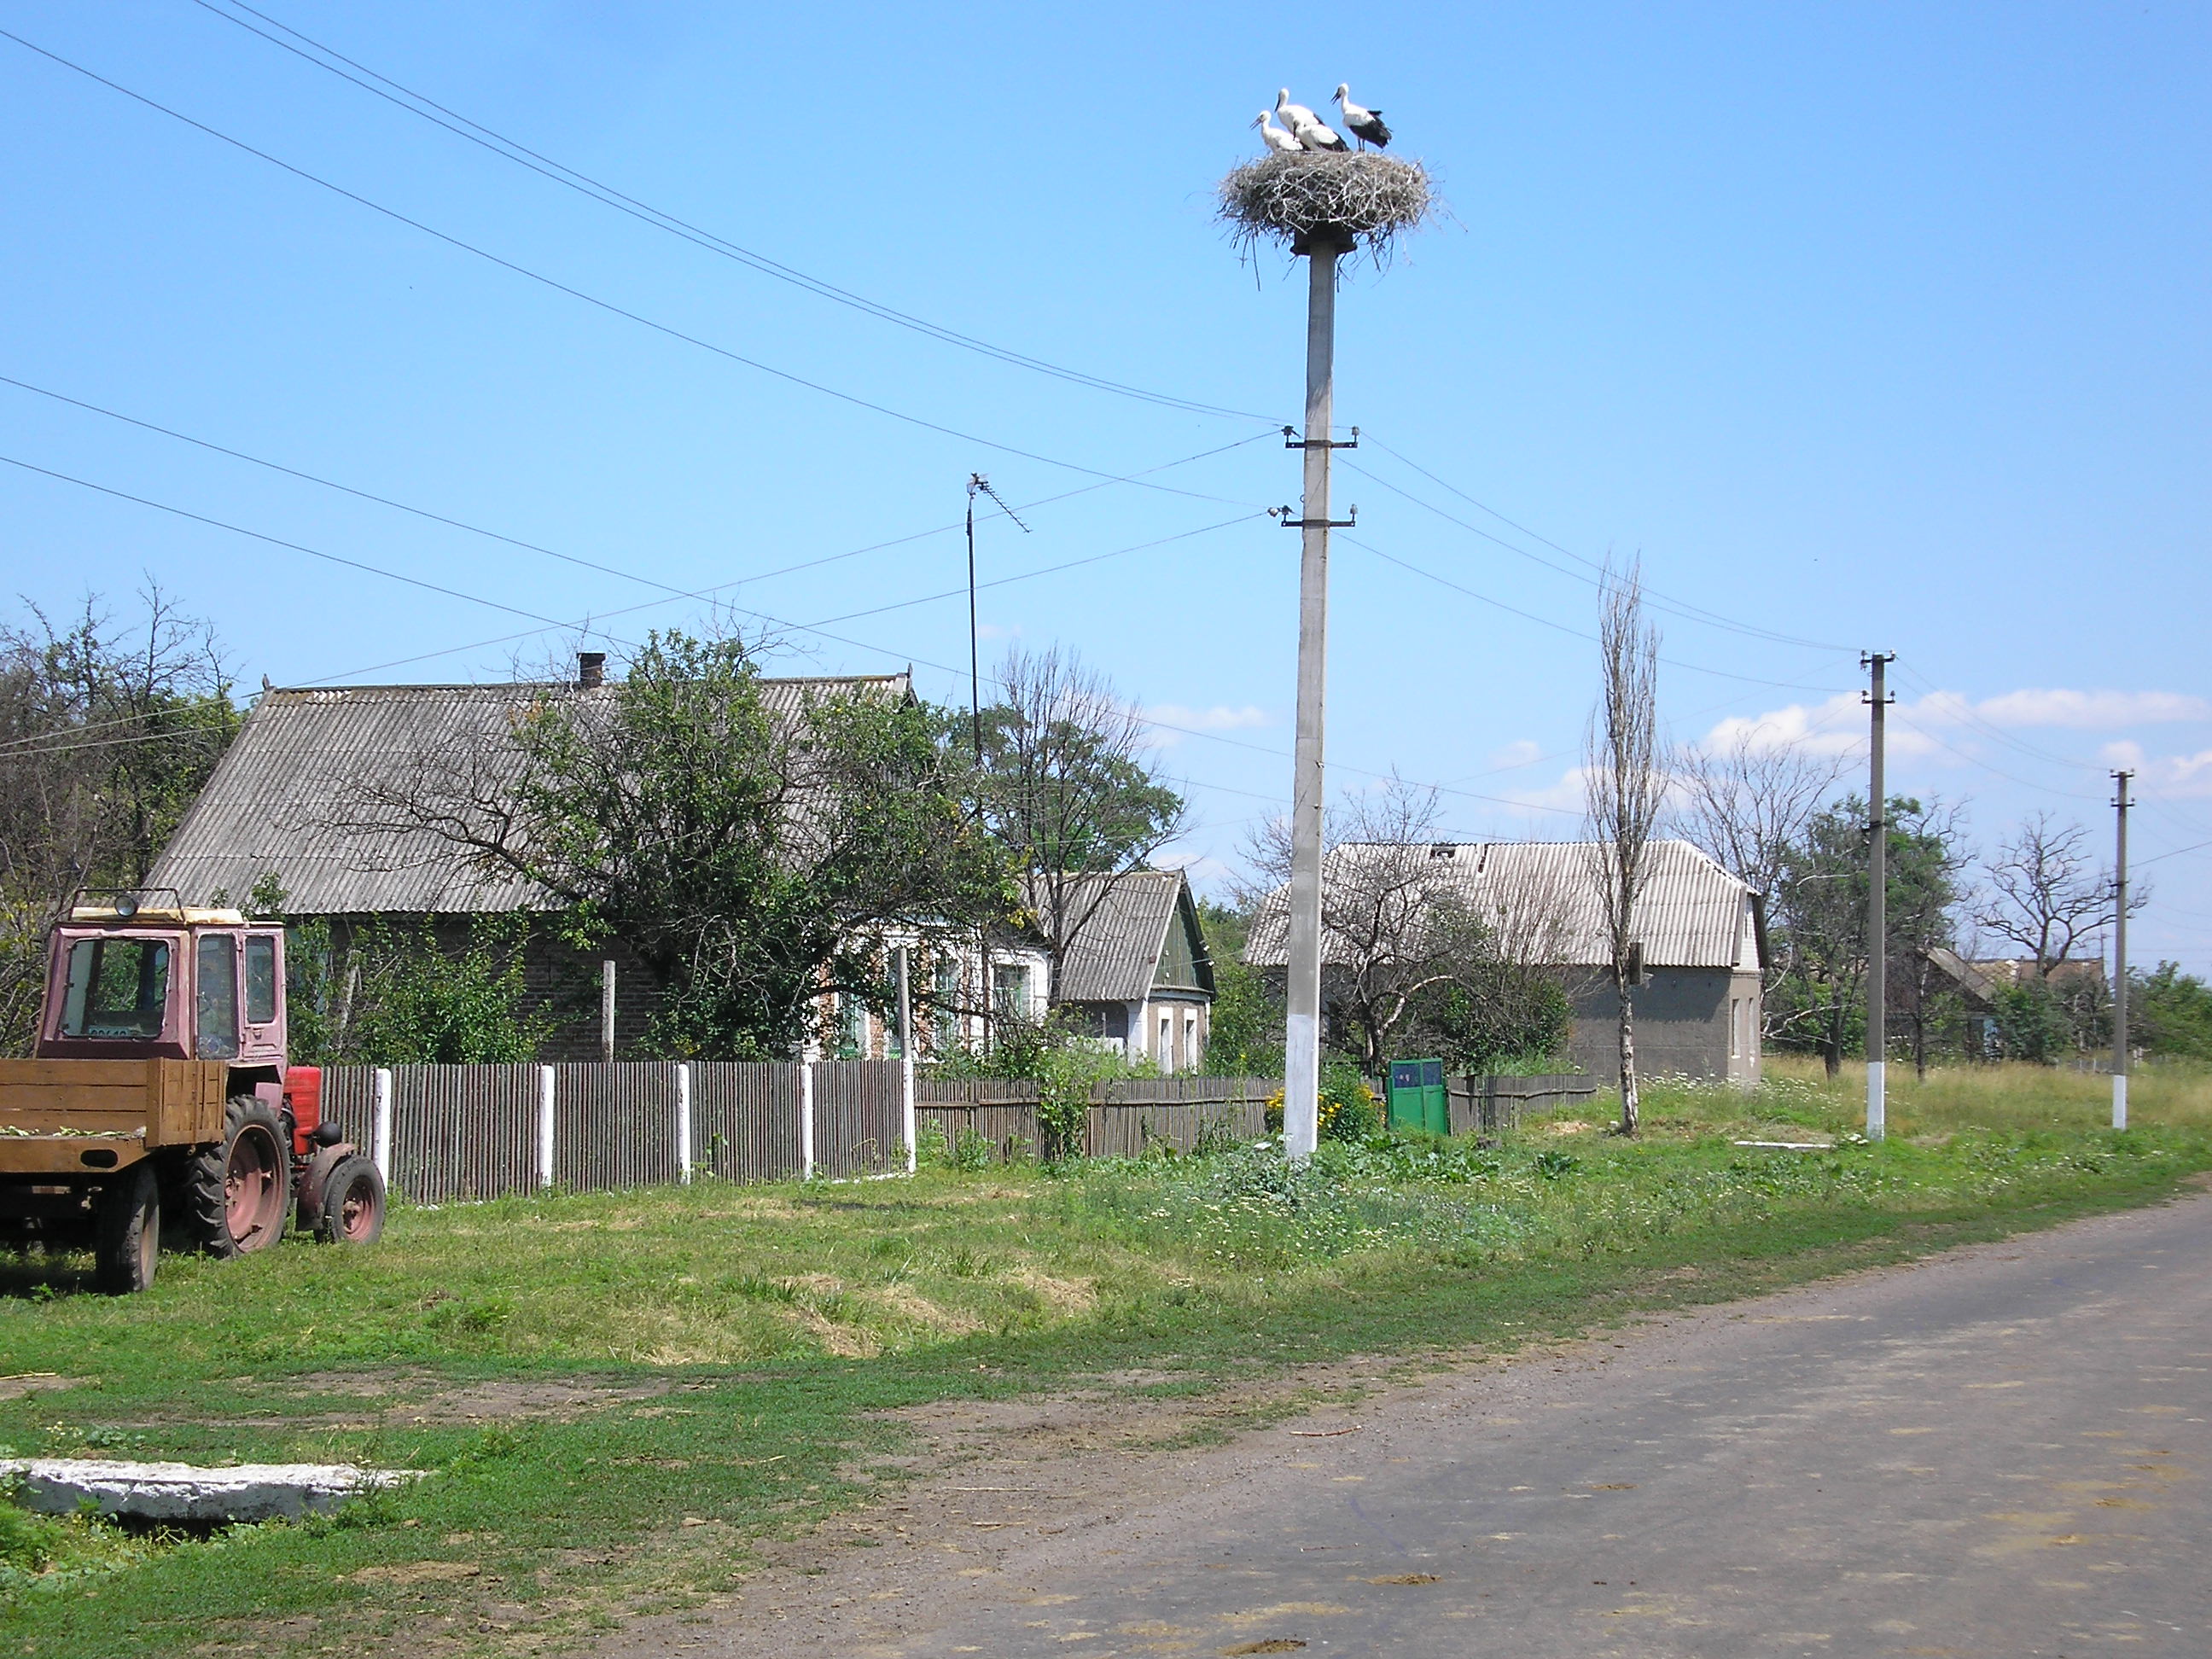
column 353, row 1203
column 129, row 1241
column 237, row 1194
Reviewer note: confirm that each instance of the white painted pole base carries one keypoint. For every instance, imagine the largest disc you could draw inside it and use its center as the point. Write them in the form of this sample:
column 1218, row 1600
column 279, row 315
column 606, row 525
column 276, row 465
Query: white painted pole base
column 2119, row 1100
column 1302, row 1096
column 684, row 1125
column 380, row 1130
column 1877, row 1099
column 545, row 1126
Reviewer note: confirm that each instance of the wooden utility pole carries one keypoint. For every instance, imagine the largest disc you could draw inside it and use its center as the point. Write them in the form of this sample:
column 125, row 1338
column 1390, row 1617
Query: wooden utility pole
column 1877, row 1039
column 2120, row 804
column 1302, row 1022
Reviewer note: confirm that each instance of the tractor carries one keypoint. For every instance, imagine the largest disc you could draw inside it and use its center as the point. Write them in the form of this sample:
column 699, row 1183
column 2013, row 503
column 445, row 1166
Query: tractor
column 159, row 1110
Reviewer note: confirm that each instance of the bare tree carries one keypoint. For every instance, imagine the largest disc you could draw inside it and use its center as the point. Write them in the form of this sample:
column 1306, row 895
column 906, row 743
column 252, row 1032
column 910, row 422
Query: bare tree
column 1746, row 804
column 1067, row 784
column 2047, row 893
column 1624, row 782
column 1404, row 940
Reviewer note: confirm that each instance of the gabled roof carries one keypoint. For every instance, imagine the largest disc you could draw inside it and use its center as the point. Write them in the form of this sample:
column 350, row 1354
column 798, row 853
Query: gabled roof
column 1116, row 953
column 281, row 796
column 1690, row 913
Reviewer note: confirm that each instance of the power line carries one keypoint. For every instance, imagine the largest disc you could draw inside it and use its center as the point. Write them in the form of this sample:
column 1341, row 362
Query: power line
column 296, row 547
column 704, row 595
column 1660, row 601
column 608, row 305
column 1575, row 633
column 484, row 137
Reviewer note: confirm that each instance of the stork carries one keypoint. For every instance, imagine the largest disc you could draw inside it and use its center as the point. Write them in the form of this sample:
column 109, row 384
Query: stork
column 1282, row 142
column 1309, row 129
column 1364, row 125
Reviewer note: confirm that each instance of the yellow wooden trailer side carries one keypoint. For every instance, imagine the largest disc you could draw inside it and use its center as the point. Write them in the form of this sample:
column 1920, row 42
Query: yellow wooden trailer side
column 87, row 1116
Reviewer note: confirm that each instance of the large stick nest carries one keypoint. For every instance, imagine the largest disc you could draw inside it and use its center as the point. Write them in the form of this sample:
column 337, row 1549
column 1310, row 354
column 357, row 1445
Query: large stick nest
column 1360, row 199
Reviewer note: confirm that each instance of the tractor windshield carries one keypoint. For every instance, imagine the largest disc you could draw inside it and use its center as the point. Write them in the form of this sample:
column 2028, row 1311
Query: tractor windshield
column 117, row 988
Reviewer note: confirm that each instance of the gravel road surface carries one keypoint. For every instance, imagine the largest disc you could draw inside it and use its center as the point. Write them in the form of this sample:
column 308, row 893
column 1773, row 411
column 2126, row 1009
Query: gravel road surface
column 2000, row 1451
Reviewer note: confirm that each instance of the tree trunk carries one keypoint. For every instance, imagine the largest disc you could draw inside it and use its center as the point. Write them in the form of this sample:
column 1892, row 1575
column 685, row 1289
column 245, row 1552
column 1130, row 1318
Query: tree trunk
column 1629, row 1102
column 1831, row 1042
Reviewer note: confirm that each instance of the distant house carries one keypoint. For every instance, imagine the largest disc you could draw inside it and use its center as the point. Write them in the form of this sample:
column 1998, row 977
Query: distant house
column 1698, row 1010
column 1980, row 985
column 1137, row 972
column 285, row 802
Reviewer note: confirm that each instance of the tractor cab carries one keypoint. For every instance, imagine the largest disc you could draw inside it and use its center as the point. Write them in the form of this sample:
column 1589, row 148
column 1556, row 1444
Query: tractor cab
column 143, row 975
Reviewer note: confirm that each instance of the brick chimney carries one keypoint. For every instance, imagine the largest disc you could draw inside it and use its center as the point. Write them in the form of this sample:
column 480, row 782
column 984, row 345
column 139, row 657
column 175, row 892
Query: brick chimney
column 590, row 669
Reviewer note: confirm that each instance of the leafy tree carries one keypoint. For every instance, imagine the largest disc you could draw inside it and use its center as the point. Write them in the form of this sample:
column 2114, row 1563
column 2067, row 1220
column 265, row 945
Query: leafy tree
column 412, row 1001
column 749, row 855
column 107, row 732
column 1245, row 1035
column 2170, row 1012
column 1822, row 908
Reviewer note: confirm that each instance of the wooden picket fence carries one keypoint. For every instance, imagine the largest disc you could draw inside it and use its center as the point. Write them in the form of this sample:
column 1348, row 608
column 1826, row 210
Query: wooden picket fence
column 442, row 1134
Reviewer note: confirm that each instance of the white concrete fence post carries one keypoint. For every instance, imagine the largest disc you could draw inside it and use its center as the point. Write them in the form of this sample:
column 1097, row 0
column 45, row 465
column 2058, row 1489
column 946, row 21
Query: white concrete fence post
column 908, row 1127
column 545, row 1126
column 806, row 1120
column 683, row 1124
column 379, row 1135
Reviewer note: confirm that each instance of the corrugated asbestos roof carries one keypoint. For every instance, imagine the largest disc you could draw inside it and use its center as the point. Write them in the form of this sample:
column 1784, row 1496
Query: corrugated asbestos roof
column 1690, row 913
column 1116, row 953
column 307, row 760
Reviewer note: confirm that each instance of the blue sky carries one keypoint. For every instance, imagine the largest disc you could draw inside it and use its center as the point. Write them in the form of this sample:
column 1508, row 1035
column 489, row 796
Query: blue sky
column 1877, row 326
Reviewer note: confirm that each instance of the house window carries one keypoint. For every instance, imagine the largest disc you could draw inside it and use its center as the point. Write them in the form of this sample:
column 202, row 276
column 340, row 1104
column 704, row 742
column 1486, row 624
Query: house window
column 1165, row 1053
column 852, row 1027
column 1735, row 1028
column 1009, row 990
column 945, row 1029
column 1190, row 1037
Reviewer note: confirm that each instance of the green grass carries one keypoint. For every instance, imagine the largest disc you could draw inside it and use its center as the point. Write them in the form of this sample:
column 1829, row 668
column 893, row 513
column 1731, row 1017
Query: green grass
column 617, row 1392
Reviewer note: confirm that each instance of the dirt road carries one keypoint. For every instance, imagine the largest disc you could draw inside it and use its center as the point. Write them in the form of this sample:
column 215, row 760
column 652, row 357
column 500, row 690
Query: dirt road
column 2001, row 1451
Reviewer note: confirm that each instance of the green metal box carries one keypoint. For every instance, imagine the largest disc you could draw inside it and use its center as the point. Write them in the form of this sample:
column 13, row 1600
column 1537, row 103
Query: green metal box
column 1418, row 1099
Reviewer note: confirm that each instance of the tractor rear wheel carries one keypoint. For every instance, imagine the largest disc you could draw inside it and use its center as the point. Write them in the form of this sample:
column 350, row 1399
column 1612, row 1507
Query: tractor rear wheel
column 353, row 1203
column 237, row 1194
column 129, row 1239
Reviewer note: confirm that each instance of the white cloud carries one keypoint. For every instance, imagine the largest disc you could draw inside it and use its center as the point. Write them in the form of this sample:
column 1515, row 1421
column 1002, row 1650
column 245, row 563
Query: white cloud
column 1523, row 752
column 1166, row 716
column 2175, row 777
column 1838, row 726
column 2092, row 711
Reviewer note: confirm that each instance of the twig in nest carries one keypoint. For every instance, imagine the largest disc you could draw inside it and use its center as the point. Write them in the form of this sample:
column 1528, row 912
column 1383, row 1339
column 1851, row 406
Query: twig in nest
column 1362, row 200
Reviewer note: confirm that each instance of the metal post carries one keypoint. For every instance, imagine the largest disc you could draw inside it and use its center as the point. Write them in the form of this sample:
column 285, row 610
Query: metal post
column 908, row 1125
column 1301, row 1025
column 1877, row 1039
column 806, row 1120
column 545, row 1126
column 683, row 1124
column 2121, row 804
column 607, row 1012
column 379, row 1138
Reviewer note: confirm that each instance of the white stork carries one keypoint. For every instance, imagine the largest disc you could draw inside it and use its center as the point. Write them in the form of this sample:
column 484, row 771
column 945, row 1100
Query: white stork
column 1277, row 140
column 1364, row 125
column 1309, row 129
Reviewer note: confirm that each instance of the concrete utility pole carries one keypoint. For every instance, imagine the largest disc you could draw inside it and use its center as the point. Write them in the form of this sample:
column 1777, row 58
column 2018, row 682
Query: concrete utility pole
column 1302, row 1022
column 2120, row 803
column 1877, row 1041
